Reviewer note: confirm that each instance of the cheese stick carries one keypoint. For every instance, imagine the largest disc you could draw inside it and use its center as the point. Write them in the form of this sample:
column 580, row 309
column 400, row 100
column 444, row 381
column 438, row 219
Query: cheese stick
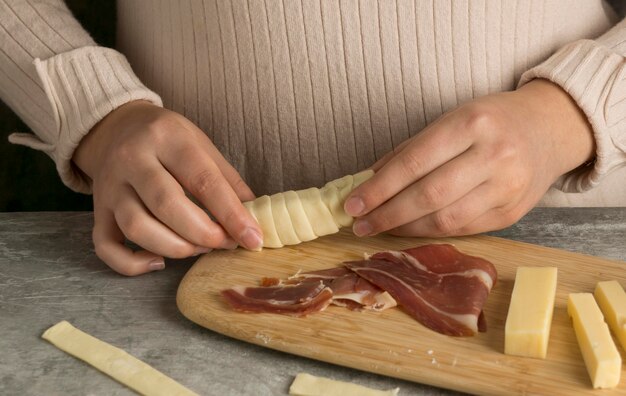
column 113, row 361
column 309, row 385
column 612, row 301
column 603, row 361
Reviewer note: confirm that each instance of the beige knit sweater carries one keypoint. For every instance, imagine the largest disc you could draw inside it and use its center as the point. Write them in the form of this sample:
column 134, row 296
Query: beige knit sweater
column 297, row 92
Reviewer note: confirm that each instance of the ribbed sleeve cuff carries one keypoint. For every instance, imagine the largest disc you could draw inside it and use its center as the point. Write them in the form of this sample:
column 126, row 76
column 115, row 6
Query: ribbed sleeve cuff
column 82, row 87
column 594, row 77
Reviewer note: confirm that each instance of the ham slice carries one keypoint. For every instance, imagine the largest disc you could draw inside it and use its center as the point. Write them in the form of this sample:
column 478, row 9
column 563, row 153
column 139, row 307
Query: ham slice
column 299, row 299
column 439, row 286
column 349, row 289
column 309, row 292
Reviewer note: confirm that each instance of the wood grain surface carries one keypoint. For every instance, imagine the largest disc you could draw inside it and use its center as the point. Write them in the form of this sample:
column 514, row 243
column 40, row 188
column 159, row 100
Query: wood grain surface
column 392, row 343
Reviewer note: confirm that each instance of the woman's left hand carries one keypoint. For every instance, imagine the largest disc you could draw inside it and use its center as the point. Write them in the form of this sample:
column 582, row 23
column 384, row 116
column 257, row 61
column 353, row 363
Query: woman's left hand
column 478, row 168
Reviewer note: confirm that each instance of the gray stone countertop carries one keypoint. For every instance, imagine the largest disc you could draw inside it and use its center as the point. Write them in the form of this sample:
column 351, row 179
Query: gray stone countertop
column 49, row 272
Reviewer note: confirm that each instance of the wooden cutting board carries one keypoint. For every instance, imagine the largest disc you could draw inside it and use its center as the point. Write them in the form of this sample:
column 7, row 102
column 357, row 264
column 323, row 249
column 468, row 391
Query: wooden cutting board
column 392, row 343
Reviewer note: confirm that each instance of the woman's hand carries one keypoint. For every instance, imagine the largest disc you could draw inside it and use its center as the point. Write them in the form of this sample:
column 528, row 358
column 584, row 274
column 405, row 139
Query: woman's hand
column 478, row 168
column 141, row 159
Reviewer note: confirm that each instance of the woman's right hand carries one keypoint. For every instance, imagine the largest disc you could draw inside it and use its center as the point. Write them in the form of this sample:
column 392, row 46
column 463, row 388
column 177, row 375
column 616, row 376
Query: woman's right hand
column 141, row 159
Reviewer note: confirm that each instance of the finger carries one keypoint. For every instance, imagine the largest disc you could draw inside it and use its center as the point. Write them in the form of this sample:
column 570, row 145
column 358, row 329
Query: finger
column 143, row 229
column 108, row 240
column 435, row 191
column 166, row 199
column 426, row 152
column 202, row 178
column 230, row 173
column 454, row 218
column 387, row 157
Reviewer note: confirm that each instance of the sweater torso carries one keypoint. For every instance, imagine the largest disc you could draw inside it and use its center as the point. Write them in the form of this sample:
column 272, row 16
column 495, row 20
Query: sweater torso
column 295, row 93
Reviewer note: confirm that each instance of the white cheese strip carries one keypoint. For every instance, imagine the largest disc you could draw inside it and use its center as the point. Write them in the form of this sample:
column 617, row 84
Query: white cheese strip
column 309, row 385
column 298, row 216
column 262, row 209
column 603, row 361
column 528, row 322
column 335, row 192
column 300, row 222
column 318, row 214
column 331, row 198
column 113, row 361
column 361, row 177
column 282, row 220
column 249, row 205
column 612, row 301
column 343, row 185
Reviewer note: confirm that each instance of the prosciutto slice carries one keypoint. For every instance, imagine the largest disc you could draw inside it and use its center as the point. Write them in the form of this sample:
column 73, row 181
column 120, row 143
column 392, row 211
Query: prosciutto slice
column 298, row 299
column 439, row 286
column 309, row 292
column 349, row 289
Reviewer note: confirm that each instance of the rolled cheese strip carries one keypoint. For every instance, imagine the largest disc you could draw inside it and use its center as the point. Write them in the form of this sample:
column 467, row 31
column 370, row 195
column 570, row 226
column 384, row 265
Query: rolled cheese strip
column 343, row 183
column 330, row 196
column 360, row 178
column 343, row 186
column 299, row 220
column 307, row 214
column 282, row 220
column 335, row 192
column 261, row 209
column 319, row 216
column 249, row 205
column 113, row 361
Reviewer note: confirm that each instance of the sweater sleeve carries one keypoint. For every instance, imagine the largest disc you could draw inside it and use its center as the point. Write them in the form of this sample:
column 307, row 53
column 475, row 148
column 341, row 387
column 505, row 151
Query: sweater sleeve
column 593, row 73
column 58, row 81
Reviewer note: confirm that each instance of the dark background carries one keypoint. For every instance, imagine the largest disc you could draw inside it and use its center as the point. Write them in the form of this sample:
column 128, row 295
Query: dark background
column 28, row 178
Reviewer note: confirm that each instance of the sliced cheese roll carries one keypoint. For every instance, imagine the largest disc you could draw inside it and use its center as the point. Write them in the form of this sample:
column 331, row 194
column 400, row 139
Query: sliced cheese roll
column 298, row 217
column 292, row 217
column 361, row 177
column 319, row 215
column 261, row 209
column 331, row 198
column 282, row 220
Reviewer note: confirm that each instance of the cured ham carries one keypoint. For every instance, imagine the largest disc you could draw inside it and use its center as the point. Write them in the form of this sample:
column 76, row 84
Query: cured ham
column 309, row 292
column 349, row 289
column 439, row 286
column 299, row 299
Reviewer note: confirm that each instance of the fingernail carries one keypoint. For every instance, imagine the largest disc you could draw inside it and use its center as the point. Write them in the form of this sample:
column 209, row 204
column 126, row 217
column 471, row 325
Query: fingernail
column 362, row 228
column 201, row 250
column 156, row 265
column 229, row 244
column 251, row 239
column 354, row 206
